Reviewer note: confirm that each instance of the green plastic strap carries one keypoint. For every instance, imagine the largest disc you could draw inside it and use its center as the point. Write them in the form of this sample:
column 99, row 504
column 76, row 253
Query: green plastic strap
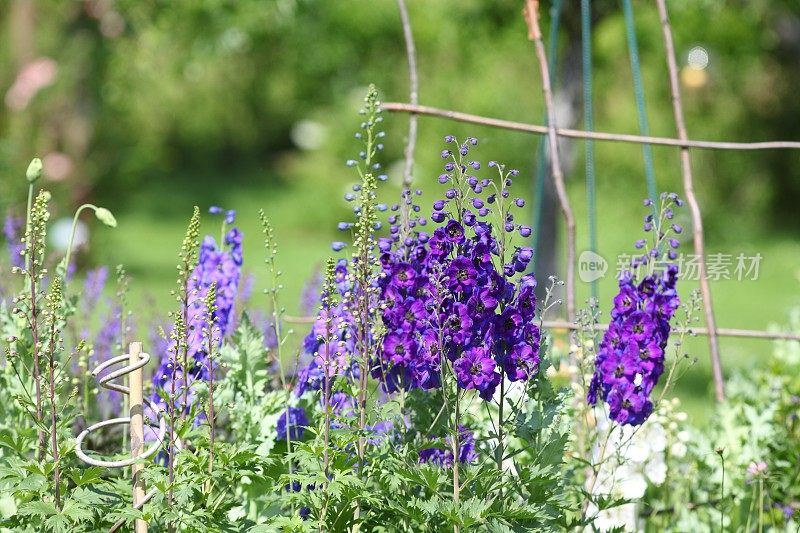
column 638, row 89
column 588, row 120
column 541, row 168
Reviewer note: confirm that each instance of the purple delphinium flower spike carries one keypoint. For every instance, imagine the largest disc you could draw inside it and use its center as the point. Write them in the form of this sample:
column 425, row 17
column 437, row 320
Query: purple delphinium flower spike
column 630, row 357
column 222, row 266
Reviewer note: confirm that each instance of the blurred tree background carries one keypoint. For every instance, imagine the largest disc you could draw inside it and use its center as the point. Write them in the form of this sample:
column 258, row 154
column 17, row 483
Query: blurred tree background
column 152, row 106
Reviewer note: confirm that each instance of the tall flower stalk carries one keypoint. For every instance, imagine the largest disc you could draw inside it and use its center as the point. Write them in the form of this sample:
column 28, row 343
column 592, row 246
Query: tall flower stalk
column 328, row 358
column 187, row 259
column 35, row 236
column 456, row 293
column 211, row 333
column 363, row 295
column 187, row 358
column 54, row 321
column 328, row 304
column 277, row 316
column 630, row 359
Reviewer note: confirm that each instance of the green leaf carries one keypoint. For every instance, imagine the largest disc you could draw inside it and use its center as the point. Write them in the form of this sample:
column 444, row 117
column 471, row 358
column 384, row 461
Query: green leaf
column 38, row 508
column 86, row 476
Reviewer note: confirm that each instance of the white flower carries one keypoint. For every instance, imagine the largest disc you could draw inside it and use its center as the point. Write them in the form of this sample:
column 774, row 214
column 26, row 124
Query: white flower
column 678, row 449
column 656, row 471
column 632, row 483
column 623, row 516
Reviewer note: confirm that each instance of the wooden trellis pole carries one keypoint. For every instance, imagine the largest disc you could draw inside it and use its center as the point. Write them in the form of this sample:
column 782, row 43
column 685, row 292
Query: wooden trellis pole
column 413, row 97
column 727, row 332
column 534, row 33
column 137, row 432
column 538, row 129
column 691, row 199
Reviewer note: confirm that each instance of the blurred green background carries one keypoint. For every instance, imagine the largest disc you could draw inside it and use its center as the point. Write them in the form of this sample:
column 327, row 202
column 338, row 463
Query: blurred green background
column 149, row 107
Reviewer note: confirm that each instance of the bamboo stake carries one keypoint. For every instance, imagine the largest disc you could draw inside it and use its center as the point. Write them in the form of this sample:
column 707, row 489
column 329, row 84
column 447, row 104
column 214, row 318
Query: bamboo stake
column 137, row 432
column 413, row 95
column 727, row 332
column 694, row 207
column 536, row 129
column 531, row 13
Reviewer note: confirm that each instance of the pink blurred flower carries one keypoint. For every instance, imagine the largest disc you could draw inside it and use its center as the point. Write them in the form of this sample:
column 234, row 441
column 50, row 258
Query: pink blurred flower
column 32, row 78
column 57, row 166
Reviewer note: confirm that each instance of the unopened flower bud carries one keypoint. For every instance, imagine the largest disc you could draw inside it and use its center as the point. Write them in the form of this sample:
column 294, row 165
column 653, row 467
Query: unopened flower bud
column 34, row 171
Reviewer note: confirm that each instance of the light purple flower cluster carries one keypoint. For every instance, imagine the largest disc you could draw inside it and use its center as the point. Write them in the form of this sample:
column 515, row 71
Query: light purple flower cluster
column 215, row 265
column 451, row 293
column 444, row 458
column 108, row 401
column 297, row 424
column 13, row 228
column 630, row 358
column 93, row 288
column 341, row 344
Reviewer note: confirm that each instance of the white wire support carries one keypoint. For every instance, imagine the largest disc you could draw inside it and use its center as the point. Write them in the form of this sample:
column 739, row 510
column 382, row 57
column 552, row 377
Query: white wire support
column 108, row 382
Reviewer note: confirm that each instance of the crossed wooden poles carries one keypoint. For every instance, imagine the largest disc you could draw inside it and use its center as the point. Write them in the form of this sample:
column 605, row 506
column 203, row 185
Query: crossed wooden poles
column 531, row 13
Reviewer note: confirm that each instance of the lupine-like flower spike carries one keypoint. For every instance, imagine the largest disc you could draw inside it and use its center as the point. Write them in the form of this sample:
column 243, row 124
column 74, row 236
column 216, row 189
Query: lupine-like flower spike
column 452, row 293
column 630, row 358
column 186, row 358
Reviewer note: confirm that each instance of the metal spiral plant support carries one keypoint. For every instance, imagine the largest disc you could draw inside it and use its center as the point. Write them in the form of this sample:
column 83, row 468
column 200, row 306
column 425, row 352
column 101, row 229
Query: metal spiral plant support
column 136, row 360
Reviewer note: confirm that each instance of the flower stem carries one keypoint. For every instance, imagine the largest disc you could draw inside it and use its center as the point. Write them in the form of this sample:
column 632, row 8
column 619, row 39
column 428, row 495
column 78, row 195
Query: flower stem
column 54, row 414
column 65, row 262
column 34, row 319
column 760, row 504
column 28, row 225
column 456, row 487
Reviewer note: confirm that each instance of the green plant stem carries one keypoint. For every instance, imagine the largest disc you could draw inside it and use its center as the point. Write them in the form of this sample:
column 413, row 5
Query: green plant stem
column 54, row 416
column 65, row 261
column 28, row 257
column 327, row 393
column 456, row 487
column 596, row 468
column 171, row 451
column 760, row 504
column 750, row 510
column 327, row 406
column 37, row 372
column 500, row 432
column 211, row 413
column 722, row 495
